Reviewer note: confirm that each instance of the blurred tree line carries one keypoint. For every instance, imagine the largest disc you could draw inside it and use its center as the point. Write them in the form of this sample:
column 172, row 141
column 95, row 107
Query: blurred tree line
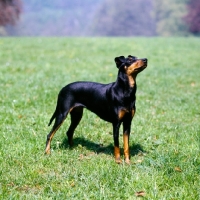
column 10, row 11
column 100, row 17
column 143, row 17
column 127, row 17
column 193, row 16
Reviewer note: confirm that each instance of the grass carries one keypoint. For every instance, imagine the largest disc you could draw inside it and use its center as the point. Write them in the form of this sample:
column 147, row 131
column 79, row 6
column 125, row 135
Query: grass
column 165, row 136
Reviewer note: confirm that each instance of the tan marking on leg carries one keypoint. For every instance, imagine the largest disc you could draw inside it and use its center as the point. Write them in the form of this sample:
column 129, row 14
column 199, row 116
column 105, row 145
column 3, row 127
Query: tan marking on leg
column 122, row 113
column 71, row 109
column 126, row 148
column 117, row 155
column 47, row 150
column 48, row 146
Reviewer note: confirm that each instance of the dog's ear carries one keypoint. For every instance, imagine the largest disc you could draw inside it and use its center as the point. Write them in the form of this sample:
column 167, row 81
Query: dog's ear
column 120, row 61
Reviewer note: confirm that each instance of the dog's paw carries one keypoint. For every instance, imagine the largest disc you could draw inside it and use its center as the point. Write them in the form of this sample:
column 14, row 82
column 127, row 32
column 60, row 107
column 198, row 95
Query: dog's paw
column 127, row 161
column 118, row 160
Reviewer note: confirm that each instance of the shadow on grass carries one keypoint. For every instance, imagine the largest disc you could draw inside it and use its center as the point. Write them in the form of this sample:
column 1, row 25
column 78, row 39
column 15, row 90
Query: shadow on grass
column 99, row 148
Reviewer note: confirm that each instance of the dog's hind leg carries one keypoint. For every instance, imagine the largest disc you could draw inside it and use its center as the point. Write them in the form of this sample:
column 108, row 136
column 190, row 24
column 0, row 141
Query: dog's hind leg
column 76, row 115
column 58, row 122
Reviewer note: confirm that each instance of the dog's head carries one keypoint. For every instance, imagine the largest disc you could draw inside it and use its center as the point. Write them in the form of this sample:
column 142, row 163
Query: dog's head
column 132, row 65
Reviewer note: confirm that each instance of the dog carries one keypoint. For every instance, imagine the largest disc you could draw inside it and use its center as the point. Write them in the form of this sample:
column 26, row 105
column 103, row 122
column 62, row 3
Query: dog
column 113, row 102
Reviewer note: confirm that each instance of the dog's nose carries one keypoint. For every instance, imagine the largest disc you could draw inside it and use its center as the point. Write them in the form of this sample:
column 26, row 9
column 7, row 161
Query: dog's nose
column 144, row 60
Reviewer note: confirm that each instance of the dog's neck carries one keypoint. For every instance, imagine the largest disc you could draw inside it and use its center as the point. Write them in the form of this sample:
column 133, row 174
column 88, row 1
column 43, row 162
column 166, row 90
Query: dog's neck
column 127, row 86
column 127, row 81
column 132, row 80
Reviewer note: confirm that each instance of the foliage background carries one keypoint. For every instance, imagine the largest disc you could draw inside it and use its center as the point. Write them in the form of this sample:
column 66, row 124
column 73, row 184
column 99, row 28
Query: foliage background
column 105, row 18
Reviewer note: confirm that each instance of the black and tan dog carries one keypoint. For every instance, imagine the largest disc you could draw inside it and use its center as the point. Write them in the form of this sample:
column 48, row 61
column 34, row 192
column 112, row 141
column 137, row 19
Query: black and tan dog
column 113, row 102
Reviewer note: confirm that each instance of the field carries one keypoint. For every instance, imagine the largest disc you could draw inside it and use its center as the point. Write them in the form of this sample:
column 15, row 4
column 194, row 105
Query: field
column 165, row 135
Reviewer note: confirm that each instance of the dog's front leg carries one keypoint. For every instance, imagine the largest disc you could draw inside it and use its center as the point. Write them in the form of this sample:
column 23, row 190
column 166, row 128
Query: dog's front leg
column 116, row 127
column 126, row 135
column 126, row 147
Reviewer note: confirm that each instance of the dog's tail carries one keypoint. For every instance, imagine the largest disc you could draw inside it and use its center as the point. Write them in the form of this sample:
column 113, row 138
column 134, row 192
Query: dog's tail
column 52, row 118
column 54, row 115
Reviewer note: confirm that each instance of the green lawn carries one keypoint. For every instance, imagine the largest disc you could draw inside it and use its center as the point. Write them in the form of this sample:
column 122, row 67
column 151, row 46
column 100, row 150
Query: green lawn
column 165, row 136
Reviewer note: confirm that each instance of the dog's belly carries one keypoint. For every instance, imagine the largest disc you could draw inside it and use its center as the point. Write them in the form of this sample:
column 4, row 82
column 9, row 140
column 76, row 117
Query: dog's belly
column 103, row 113
column 101, row 108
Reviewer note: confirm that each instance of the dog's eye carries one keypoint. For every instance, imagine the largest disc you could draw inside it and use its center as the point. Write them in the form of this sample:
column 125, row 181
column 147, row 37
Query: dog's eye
column 132, row 60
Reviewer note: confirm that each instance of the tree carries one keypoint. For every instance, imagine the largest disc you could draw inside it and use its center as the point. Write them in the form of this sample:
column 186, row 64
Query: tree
column 193, row 16
column 10, row 11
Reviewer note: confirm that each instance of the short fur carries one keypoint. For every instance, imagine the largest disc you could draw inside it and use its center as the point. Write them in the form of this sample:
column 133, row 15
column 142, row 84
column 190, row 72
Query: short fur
column 113, row 102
